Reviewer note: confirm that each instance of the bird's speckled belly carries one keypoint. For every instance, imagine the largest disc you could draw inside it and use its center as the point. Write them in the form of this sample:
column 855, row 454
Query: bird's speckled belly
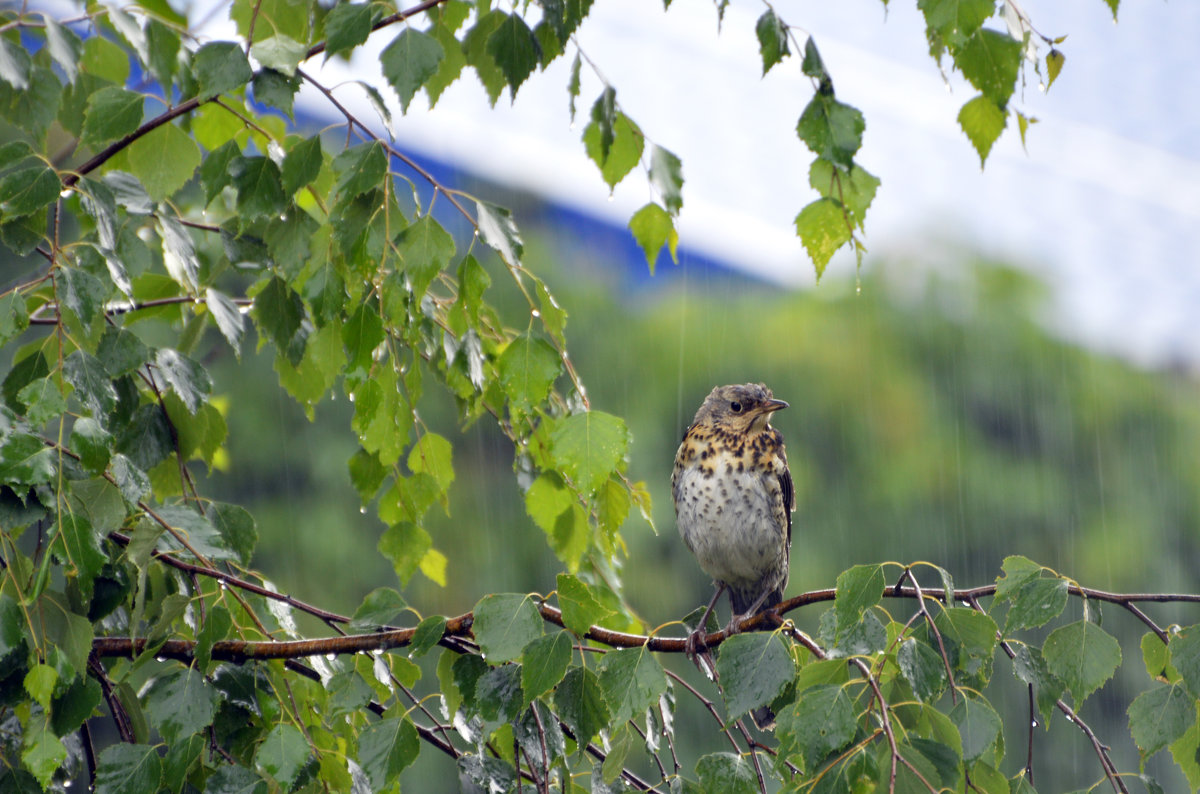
column 725, row 519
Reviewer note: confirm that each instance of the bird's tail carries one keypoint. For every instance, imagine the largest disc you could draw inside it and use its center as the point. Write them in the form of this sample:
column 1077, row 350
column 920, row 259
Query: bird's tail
column 742, row 601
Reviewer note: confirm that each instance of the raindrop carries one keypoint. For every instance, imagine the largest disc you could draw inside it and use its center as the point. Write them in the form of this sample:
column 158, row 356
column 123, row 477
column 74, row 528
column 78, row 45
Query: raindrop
column 221, row 585
column 283, row 216
column 1042, row 87
column 66, row 193
column 536, row 313
column 571, row 126
column 1034, row 723
column 350, row 397
column 610, row 197
column 160, row 659
column 362, row 510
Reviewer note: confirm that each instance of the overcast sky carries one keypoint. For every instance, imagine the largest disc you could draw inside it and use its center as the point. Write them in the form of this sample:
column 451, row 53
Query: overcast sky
column 1105, row 203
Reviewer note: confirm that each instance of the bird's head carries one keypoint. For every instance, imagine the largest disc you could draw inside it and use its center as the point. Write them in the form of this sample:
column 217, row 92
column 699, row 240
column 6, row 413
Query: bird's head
column 740, row 408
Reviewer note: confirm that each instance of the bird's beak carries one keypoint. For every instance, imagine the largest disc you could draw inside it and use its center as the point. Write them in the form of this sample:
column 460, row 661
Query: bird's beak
column 770, row 406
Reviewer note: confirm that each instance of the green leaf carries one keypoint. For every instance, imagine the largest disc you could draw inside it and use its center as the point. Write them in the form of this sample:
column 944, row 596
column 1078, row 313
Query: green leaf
column 275, row 89
column 217, row 624
column 32, row 186
column 181, row 703
column 39, row 683
column 220, row 67
column 74, row 705
column 163, row 45
column 482, row 773
column 427, row 635
column 43, row 400
column 409, row 61
column 228, row 318
column 983, row 121
column 544, row 662
column 360, row 169
column 955, row 20
column 528, row 368
column 283, row 753
column 259, row 187
column 1186, row 752
column 65, row 48
column 112, row 112
column 990, row 61
column 380, row 607
column 922, row 666
column 504, row 624
column 588, row 447
column 235, row 780
column 14, row 317
column 91, row 382
column 25, row 460
column 666, row 175
column 279, row 52
column 162, row 160
column 367, row 475
column 515, row 50
column 425, row 248
column 236, row 527
column 1160, row 716
column 302, row 164
column 831, row 129
column 81, row 293
column 818, row 723
column 858, row 589
column 278, row 311
column 1037, row 603
column 970, row 640
column 978, row 723
column 14, row 64
column 855, row 190
column 1018, row 571
column 580, row 703
column 1083, row 655
column 498, row 693
column 1029, row 666
column 128, row 767
column 823, row 228
column 1185, row 656
column 573, row 85
column 652, row 228
column 581, row 608
column 432, row 455
column 92, row 443
column 475, row 49
column 83, row 550
column 386, row 748
column 728, row 773
column 361, row 334
column 497, row 229
column 1054, row 64
column 754, row 669
column 632, row 680
column 347, row 26
column 622, row 153
column 772, row 39
column 187, row 379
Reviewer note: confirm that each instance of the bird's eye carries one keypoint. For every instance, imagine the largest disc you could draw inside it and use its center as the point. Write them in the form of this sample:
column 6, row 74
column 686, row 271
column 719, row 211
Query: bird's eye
column 736, row 407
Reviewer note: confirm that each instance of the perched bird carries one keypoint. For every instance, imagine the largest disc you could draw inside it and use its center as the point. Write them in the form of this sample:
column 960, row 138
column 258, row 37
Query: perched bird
column 734, row 500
